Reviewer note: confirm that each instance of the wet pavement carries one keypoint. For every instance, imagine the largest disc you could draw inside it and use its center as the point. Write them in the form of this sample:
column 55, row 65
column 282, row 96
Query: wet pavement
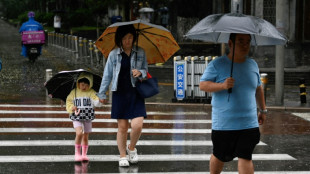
column 36, row 135
column 176, row 138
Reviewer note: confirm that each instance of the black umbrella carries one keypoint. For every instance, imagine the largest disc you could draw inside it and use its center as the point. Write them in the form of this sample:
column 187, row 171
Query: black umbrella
column 61, row 84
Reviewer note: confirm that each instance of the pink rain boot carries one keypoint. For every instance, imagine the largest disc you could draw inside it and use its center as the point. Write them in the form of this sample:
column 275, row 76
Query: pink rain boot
column 84, row 153
column 78, row 157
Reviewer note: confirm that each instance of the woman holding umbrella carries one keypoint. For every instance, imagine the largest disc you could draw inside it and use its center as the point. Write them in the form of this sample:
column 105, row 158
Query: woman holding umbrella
column 125, row 65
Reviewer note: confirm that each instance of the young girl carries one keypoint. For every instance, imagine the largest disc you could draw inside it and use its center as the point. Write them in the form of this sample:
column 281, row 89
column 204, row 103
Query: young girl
column 80, row 105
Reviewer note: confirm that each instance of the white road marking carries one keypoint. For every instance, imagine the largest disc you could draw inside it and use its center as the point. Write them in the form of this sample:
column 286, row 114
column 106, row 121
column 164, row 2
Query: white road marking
column 108, row 143
column 98, row 112
column 104, row 130
column 40, row 106
column 99, row 120
column 206, row 172
column 32, row 106
column 172, row 157
column 305, row 116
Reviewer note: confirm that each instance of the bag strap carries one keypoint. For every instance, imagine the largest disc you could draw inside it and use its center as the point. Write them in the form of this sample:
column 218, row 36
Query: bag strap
column 148, row 75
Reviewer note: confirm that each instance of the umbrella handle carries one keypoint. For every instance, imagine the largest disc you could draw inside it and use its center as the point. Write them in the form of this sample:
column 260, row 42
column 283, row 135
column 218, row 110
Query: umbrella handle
column 230, row 90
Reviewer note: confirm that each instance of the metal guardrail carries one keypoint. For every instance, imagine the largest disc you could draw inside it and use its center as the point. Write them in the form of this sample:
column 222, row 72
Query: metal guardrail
column 187, row 73
column 79, row 50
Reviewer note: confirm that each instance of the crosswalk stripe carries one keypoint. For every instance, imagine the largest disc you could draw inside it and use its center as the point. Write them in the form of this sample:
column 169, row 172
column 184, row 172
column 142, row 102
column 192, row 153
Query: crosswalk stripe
column 107, row 143
column 103, row 106
column 39, row 106
column 256, row 172
column 34, row 106
column 102, row 120
column 103, row 130
column 98, row 112
column 172, row 157
column 305, row 116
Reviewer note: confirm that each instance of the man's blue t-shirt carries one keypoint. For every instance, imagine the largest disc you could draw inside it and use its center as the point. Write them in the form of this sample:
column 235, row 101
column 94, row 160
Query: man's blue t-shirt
column 240, row 111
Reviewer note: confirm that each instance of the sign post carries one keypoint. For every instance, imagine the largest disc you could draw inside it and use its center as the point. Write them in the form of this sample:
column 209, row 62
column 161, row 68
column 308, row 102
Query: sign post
column 180, row 79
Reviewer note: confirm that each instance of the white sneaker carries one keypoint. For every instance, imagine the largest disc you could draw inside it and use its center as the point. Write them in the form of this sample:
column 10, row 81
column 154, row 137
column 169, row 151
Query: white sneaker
column 123, row 162
column 133, row 155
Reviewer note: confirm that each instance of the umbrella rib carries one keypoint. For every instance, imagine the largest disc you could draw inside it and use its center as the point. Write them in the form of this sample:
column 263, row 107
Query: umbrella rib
column 218, row 36
column 65, row 82
column 152, row 44
column 146, row 28
column 60, row 86
column 254, row 39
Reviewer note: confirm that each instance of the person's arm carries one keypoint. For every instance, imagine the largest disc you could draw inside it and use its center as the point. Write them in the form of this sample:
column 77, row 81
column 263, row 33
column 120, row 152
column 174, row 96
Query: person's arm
column 209, row 86
column 22, row 28
column 260, row 100
column 106, row 79
column 144, row 66
column 95, row 99
column 141, row 73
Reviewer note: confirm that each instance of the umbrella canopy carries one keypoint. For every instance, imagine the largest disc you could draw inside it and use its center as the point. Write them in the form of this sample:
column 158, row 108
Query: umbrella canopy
column 61, row 84
column 217, row 28
column 157, row 42
column 146, row 10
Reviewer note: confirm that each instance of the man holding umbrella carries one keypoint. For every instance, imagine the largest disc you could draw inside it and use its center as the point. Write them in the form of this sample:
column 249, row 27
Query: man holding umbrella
column 235, row 124
column 235, row 82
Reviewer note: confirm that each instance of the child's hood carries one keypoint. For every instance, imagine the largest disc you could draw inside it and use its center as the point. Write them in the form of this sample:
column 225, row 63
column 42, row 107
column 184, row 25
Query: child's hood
column 85, row 75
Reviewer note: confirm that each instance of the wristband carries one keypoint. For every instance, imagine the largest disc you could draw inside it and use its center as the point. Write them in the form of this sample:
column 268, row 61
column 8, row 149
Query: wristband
column 263, row 111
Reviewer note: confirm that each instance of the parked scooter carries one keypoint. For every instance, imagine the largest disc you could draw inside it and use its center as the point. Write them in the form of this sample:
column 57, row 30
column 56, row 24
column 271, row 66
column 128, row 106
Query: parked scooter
column 33, row 41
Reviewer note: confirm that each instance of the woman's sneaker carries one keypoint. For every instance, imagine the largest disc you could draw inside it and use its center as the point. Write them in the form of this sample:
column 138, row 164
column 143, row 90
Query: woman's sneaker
column 123, row 162
column 133, row 155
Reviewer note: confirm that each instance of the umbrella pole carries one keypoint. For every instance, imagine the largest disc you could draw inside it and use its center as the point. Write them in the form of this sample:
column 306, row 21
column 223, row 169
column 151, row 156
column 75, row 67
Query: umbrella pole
column 137, row 44
column 232, row 62
column 75, row 88
column 232, row 65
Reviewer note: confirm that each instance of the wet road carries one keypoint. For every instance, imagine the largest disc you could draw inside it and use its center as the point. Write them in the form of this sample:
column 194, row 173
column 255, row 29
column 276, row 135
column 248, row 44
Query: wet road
column 175, row 139
column 36, row 135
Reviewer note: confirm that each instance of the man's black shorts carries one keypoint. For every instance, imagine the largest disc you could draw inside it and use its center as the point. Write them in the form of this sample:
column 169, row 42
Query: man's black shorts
column 236, row 143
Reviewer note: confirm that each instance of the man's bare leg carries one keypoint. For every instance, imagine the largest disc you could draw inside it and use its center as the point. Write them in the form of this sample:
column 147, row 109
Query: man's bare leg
column 245, row 166
column 216, row 165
